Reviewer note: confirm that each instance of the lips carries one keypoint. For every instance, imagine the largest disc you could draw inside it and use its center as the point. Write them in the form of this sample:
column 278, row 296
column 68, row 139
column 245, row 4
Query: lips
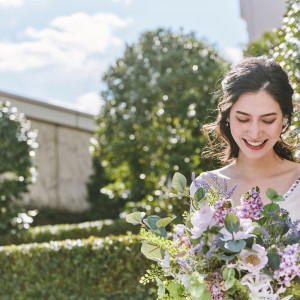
column 255, row 145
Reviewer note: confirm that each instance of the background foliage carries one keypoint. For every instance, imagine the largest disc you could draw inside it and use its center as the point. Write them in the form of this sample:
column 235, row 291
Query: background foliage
column 17, row 146
column 75, row 269
column 158, row 96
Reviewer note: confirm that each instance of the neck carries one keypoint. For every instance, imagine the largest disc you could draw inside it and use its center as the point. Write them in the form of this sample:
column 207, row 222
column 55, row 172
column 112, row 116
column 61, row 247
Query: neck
column 256, row 168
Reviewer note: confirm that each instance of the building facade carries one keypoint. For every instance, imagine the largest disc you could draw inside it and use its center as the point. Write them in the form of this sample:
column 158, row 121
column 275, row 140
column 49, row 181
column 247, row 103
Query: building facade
column 262, row 15
column 62, row 159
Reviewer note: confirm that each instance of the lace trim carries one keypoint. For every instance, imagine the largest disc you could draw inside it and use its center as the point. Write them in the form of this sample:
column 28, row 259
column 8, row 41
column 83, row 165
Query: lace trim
column 292, row 188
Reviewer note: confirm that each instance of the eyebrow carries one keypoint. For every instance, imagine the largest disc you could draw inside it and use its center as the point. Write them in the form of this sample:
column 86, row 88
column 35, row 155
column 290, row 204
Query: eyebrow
column 265, row 115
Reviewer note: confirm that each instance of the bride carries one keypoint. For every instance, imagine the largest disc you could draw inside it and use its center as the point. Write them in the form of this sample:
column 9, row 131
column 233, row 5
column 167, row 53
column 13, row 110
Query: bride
column 254, row 112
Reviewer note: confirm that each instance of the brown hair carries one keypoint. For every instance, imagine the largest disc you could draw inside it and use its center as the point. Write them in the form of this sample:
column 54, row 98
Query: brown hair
column 251, row 75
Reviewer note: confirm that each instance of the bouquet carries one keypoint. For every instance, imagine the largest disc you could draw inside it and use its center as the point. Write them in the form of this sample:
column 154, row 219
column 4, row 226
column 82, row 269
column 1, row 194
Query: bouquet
column 222, row 252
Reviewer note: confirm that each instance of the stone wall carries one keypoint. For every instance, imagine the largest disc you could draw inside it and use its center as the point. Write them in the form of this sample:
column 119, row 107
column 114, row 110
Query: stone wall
column 62, row 159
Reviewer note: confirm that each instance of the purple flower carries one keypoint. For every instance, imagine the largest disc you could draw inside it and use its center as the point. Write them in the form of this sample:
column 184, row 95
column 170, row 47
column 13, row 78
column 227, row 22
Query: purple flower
column 221, row 209
column 251, row 205
column 289, row 266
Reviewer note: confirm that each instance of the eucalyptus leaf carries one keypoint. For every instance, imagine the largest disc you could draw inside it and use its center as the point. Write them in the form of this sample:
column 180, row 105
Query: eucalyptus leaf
column 273, row 195
column 274, row 260
column 164, row 222
column 198, row 288
column 271, row 207
column 152, row 251
column 179, row 182
column 161, row 288
column 232, row 222
column 225, row 257
column 235, row 246
column 151, row 222
column 134, row 217
column 199, row 195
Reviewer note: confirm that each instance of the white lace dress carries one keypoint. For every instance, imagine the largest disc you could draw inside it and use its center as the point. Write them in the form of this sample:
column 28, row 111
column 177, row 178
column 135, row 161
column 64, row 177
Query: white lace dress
column 292, row 200
column 292, row 196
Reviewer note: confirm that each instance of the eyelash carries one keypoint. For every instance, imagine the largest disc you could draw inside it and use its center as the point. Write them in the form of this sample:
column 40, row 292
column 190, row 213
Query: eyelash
column 266, row 122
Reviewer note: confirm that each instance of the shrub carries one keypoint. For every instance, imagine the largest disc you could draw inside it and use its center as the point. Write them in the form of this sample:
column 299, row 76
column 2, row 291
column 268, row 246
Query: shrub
column 17, row 146
column 47, row 233
column 96, row 268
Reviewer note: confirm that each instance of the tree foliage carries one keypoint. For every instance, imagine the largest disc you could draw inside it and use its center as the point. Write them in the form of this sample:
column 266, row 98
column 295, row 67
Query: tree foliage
column 158, row 96
column 17, row 146
column 284, row 45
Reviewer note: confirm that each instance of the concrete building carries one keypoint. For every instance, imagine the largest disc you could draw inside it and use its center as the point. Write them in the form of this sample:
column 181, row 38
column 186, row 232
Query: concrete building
column 63, row 160
column 262, row 15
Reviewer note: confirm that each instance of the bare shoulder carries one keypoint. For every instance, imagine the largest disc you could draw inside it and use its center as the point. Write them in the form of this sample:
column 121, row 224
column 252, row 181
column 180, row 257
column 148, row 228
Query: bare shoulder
column 292, row 168
column 222, row 173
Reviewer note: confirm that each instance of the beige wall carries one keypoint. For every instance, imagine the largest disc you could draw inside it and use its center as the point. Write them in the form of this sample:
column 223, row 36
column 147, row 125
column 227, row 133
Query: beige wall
column 262, row 15
column 62, row 159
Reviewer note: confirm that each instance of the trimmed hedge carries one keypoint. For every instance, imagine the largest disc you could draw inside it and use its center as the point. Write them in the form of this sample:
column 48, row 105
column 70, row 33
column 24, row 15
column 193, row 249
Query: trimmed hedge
column 95, row 268
column 47, row 233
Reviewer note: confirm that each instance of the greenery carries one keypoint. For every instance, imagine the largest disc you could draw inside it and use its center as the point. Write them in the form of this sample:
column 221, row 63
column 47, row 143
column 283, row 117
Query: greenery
column 158, row 96
column 101, row 206
column 96, row 268
column 47, row 233
column 283, row 44
column 17, row 146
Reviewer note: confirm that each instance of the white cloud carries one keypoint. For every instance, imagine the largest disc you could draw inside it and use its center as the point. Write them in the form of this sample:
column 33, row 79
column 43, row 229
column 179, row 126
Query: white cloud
column 11, row 3
column 234, row 54
column 89, row 103
column 69, row 41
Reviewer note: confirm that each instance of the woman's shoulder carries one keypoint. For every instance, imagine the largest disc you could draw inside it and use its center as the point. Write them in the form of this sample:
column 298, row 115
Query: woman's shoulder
column 210, row 178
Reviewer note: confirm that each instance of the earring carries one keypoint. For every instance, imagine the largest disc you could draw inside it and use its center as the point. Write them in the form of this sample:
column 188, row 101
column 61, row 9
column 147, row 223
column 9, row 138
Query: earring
column 284, row 122
column 227, row 122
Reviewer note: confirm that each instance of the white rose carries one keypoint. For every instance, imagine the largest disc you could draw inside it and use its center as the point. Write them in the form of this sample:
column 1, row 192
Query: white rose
column 253, row 261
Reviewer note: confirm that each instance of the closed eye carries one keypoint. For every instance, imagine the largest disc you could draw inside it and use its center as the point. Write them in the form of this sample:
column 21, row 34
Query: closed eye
column 268, row 122
column 242, row 121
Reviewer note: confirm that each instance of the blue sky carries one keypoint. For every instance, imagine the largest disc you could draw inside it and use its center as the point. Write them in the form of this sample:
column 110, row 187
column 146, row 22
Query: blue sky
column 56, row 51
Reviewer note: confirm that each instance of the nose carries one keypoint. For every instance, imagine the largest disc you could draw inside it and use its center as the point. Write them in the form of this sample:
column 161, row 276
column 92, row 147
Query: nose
column 255, row 131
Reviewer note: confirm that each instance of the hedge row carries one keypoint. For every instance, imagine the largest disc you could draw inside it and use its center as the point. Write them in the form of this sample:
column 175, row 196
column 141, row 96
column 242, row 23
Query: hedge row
column 94, row 268
column 47, row 233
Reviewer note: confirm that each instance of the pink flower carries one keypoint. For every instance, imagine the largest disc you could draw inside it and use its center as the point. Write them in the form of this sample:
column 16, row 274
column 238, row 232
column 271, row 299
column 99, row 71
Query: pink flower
column 202, row 219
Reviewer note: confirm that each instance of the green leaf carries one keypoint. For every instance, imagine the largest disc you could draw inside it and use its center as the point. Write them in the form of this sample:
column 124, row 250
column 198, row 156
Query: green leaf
column 151, row 222
column 179, row 182
column 199, row 195
column 273, row 195
column 198, row 288
column 232, row 222
column 152, row 251
column 134, row 217
column 235, row 246
column 161, row 288
column 225, row 257
column 271, row 207
column 274, row 260
column 164, row 222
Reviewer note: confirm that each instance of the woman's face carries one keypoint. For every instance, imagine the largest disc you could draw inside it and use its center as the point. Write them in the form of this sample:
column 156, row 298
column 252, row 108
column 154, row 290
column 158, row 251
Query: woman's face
column 256, row 123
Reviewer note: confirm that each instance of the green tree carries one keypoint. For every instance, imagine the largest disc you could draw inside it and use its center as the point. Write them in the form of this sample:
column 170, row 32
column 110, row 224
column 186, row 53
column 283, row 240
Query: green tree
column 284, row 45
column 17, row 146
column 158, row 96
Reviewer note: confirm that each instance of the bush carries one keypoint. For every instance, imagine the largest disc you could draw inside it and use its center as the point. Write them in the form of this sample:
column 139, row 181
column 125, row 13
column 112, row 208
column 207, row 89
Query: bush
column 96, row 268
column 47, row 233
column 17, row 146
